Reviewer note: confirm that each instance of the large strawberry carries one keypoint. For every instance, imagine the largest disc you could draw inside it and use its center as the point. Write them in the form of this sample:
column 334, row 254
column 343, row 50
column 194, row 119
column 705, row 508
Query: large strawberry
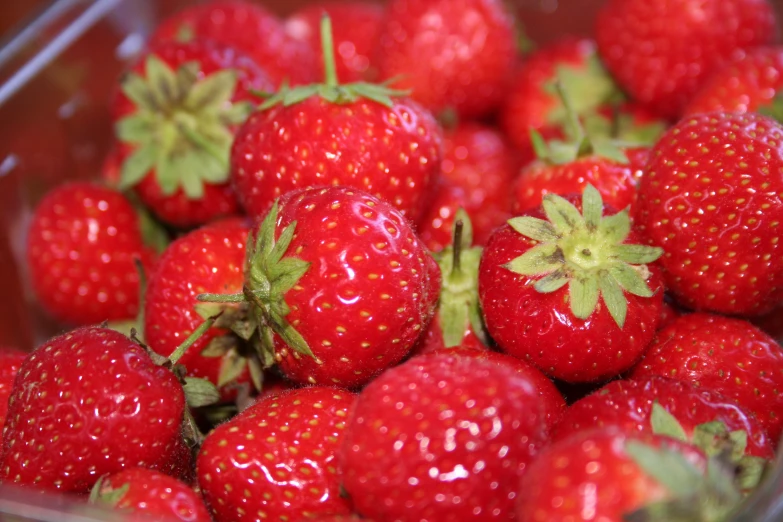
column 570, row 290
column 10, row 361
column 277, row 460
column 339, row 285
column 358, row 135
column 82, row 246
column 710, row 198
column 441, row 437
column 662, row 52
column 176, row 116
column 729, row 356
column 453, row 54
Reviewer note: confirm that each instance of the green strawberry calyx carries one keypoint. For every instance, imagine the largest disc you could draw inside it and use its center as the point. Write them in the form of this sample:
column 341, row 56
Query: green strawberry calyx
column 459, row 303
column 585, row 251
column 103, row 494
column 182, row 126
column 331, row 90
column 773, row 108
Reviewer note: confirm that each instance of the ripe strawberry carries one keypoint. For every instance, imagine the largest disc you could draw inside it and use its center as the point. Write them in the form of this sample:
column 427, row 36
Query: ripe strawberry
column 661, row 53
column 570, row 291
column 358, row 135
column 711, row 199
column 10, row 361
column 747, row 84
column 176, row 116
column 729, row 356
column 277, row 460
column 340, row 286
column 455, row 55
column 477, row 170
column 357, row 27
column 442, row 437
column 87, row 403
column 247, row 27
column 82, row 245
column 148, row 492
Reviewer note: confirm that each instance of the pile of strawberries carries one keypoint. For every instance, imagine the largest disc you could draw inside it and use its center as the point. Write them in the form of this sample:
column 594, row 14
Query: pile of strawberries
column 383, row 264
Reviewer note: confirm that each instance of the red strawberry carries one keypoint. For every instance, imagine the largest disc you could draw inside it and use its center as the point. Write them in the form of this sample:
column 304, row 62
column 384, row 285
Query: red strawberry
column 247, row 27
column 175, row 118
column 442, row 437
column 358, row 135
column 476, row 174
column 747, row 84
column 148, row 492
column 82, row 245
column 612, row 476
column 569, row 290
column 452, row 54
column 729, row 356
column 668, row 314
column 711, row 198
column 357, row 27
column 10, row 361
column 87, row 403
column 663, row 52
column 277, row 460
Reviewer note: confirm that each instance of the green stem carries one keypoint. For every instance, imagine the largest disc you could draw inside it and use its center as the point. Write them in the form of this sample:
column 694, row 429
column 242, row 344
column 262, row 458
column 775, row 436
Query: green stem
column 221, row 298
column 327, row 48
column 192, row 338
column 456, row 266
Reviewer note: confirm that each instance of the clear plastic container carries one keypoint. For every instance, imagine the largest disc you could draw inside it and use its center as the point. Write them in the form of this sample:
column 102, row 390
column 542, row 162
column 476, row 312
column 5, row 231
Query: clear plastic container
column 59, row 61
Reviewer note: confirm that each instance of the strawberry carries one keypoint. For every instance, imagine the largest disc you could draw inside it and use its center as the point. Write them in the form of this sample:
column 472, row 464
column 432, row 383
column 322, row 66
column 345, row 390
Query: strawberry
column 358, row 135
column 10, row 361
column 661, row 53
column 476, row 174
column 614, row 476
column 570, row 290
column 175, row 119
column 356, row 27
column 455, row 55
column 729, row 356
column 277, row 460
column 148, row 492
column 82, row 246
column 339, row 285
column 668, row 314
column 747, row 84
column 247, row 27
column 710, row 198
column 441, row 437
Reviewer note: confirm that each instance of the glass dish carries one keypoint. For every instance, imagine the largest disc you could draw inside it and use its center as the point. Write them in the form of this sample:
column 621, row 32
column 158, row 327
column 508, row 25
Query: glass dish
column 59, row 61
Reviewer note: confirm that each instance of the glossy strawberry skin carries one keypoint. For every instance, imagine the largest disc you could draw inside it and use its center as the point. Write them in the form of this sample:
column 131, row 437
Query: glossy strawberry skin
column 81, row 247
column 477, row 171
column 452, row 54
column 210, row 259
column 729, row 356
column 87, row 403
column 11, row 360
column 249, row 28
column 283, row 449
column 628, row 404
column 710, row 199
column 369, row 293
column 219, row 199
column 441, row 438
column 356, row 28
column 155, row 494
column 662, row 52
column 744, row 85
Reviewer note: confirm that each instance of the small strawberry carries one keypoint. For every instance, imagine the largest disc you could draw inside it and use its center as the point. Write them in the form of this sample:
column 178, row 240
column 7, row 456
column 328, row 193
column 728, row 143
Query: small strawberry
column 356, row 26
column 442, row 437
column 728, row 356
column 277, row 460
column 358, row 135
column 247, row 27
column 661, row 53
column 148, row 492
column 82, row 246
column 710, row 198
column 477, row 171
column 455, row 55
column 10, row 361
column 175, row 119
column 570, row 290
